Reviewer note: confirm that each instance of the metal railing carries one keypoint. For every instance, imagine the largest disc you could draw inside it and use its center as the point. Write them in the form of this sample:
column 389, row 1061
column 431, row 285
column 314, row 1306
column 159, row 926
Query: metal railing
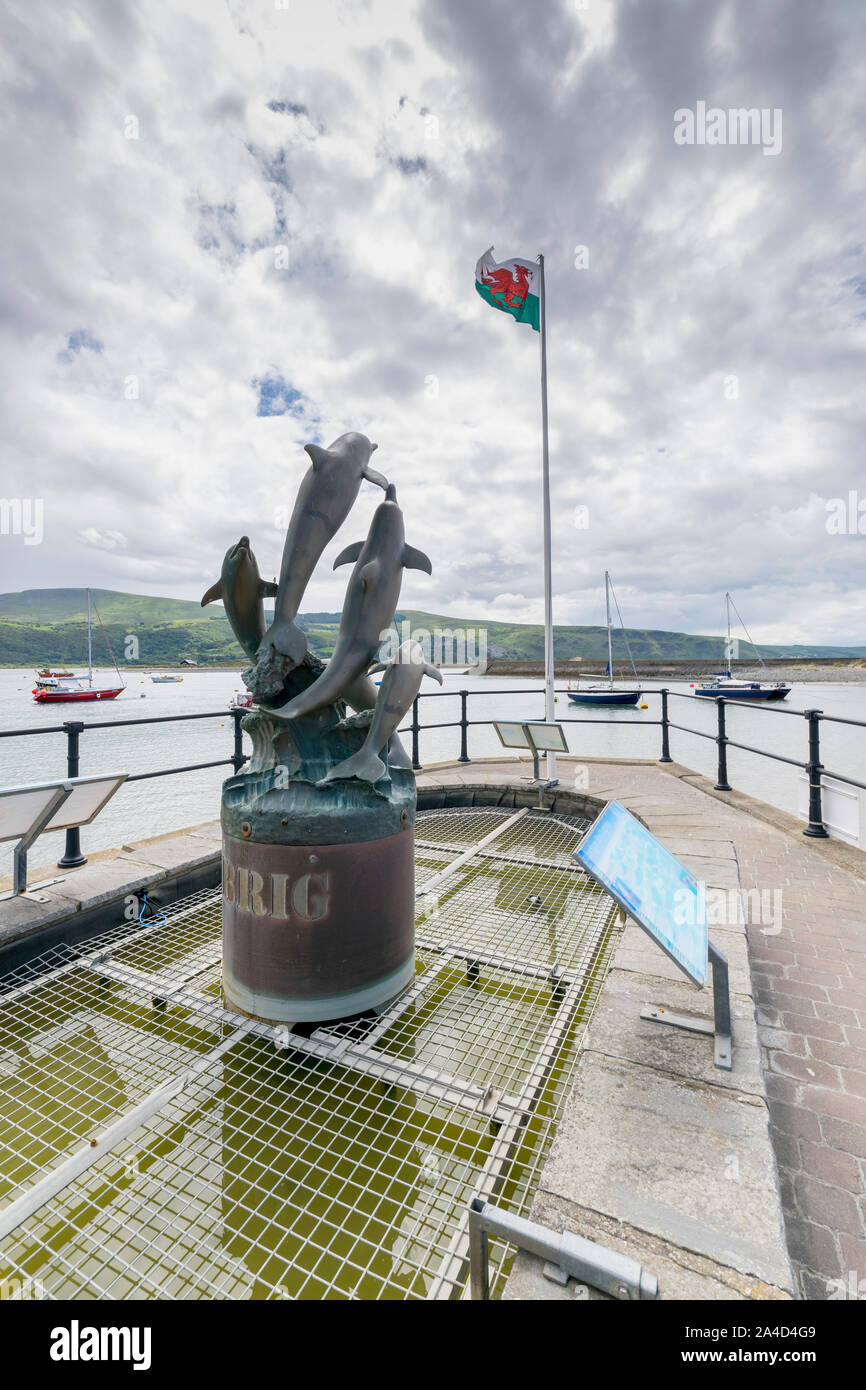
column 812, row 766
column 73, row 728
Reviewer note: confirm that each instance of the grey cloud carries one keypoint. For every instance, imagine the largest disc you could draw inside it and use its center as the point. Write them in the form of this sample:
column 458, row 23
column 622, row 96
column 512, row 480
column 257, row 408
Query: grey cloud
column 553, row 132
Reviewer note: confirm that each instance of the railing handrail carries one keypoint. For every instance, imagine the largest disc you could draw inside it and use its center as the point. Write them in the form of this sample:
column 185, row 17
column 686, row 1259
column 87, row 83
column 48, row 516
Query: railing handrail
column 812, row 767
column 114, row 723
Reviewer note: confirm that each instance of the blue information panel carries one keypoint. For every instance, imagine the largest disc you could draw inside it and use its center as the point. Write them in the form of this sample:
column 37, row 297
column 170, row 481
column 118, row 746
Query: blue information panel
column 652, row 886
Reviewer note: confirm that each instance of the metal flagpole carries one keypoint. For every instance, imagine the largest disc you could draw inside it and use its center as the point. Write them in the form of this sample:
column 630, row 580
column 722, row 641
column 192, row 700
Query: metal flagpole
column 548, row 586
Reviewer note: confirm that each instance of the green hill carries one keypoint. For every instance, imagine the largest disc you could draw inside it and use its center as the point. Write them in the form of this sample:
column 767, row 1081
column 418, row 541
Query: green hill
column 50, row 625
column 51, row 606
column 526, row 641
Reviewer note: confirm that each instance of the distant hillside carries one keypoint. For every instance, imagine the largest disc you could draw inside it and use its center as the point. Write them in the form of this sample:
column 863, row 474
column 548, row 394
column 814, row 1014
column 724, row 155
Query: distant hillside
column 49, row 625
column 50, row 606
column 523, row 640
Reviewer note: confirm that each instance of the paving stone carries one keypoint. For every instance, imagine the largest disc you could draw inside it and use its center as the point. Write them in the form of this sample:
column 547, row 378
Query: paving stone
column 831, row 1166
column 687, row 1162
column 714, row 871
column 22, row 915
column 680, row 1274
column 617, row 1030
column 108, row 878
column 639, row 953
column 813, row 1247
column 178, row 853
column 695, row 844
column 828, row 1205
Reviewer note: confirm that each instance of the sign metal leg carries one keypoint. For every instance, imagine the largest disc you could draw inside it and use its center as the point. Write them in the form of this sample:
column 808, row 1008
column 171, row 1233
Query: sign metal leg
column 720, row 1028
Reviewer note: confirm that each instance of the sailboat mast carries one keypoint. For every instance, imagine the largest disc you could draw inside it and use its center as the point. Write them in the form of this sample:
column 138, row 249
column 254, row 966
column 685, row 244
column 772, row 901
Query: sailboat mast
column 728, row 647
column 609, row 641
column 89, row 643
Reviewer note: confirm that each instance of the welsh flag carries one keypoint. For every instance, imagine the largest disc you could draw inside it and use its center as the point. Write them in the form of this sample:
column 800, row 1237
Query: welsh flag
column 512, row 286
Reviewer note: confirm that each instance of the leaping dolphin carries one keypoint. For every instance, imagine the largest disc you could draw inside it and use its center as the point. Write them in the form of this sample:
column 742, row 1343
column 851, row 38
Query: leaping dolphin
column 325, row 498
column 400, row 685
column 368, row 609
column 242, row 591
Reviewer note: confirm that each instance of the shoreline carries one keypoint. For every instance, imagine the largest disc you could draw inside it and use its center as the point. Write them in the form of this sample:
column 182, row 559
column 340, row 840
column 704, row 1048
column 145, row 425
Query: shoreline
column 832, row 673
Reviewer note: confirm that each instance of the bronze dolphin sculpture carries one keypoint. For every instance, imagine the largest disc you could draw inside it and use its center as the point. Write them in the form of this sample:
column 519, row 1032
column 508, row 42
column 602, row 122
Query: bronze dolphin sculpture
column 368, row 609
column 400, row 685
column 242, row 591
column 327, row 493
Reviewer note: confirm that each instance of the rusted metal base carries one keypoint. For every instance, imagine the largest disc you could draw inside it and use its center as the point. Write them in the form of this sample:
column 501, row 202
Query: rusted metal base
column 313, row 933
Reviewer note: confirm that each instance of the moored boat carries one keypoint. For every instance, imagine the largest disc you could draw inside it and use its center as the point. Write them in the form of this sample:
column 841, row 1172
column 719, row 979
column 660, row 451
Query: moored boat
column 725, row 686
column 74, row 690
column 62, row 687
column 45, row 676
column 607, row 694
column 166, row 680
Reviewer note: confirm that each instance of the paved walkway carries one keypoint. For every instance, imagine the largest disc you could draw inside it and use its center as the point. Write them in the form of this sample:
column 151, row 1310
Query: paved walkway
column 807, row 945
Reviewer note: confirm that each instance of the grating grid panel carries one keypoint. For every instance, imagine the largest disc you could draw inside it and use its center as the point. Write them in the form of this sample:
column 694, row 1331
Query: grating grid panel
column 287, row 1169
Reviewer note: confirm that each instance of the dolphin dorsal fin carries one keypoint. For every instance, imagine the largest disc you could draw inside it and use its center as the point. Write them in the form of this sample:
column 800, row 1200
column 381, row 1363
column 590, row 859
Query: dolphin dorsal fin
column 434, row 672
column 267, row 588
column 317, row 454
column 350, row 554
column 416, row 559
column 215, row 591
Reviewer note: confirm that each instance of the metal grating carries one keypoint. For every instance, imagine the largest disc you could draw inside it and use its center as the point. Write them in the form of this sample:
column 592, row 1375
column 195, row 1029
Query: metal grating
column 152, row 1144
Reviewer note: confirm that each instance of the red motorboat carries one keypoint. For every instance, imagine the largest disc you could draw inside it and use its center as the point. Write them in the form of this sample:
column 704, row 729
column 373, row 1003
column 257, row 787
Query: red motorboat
column 61, row 687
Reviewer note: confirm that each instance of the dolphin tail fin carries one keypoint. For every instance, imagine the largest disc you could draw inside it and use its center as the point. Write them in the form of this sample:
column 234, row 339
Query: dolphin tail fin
column 364, row 765
column 267, row 588
column 215, row 591
column 288, row 639
column 416, row 559
column 373, row 476
column 434, row 672
column 350, row 554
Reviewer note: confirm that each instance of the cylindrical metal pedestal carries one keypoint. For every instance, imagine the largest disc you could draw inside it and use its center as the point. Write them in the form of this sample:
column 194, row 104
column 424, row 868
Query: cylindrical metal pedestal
column 313, row 933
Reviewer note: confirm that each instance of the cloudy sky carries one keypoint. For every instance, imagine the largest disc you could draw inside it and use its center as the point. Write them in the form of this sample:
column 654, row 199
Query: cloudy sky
column 233, row 227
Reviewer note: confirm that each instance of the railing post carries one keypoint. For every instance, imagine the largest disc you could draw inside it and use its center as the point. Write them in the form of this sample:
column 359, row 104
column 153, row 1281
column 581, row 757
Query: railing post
column 464, row 728
column 238, row 755
column 666, row 744
column 722, row 785
column 416, row 761
column 815, row 767
column 72, row 856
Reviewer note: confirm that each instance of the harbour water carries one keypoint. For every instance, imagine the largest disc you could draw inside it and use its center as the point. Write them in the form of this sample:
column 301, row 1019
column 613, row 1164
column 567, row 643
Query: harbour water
column 163, row 804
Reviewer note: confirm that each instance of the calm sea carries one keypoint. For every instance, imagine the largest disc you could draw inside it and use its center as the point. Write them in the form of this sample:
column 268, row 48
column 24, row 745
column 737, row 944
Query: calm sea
column 153, row 807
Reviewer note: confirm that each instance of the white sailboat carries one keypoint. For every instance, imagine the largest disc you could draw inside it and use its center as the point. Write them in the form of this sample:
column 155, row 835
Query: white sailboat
column 724, row 685
column 607, row 694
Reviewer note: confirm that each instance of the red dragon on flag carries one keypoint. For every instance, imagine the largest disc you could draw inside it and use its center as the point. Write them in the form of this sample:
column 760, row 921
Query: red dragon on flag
column 511, row 286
